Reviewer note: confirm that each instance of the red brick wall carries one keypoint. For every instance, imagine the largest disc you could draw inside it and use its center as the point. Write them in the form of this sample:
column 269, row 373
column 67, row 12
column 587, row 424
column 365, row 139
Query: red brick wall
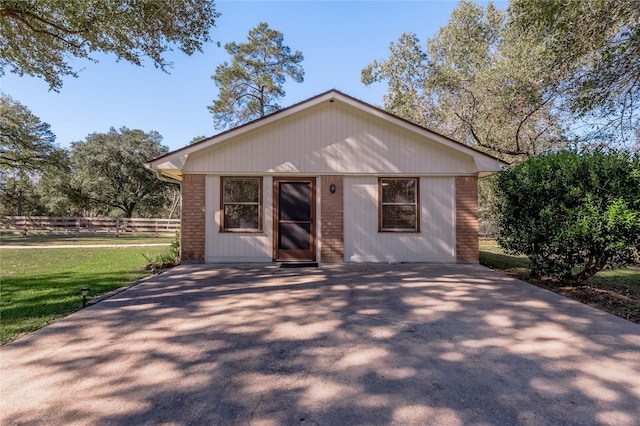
column 467, row 219
column 193, row 218
column 331, row 220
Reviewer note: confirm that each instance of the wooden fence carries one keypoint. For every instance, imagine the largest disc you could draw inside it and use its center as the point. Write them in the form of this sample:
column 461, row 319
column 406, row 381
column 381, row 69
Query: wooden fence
column 77, row 225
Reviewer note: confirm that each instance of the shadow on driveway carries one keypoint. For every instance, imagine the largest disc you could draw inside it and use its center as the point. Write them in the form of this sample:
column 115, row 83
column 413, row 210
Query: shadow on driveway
column 339, row 344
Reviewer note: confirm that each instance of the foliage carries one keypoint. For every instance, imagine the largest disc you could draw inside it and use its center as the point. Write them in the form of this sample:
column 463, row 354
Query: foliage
column 175, row 246
column 572, row 213
column 27, row 145
column 197, row 139
column 167, row 259
column 159, row 261
column 55, row 196
column 41, row 38
column 595, row 46
column 39, row 288
column 107, row 169
column 14, row 191
column 465, row 84
column 27, row 149
column 252, row 83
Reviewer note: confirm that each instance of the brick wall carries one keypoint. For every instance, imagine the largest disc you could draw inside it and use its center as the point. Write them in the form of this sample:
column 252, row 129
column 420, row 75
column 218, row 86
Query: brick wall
column 193, row 218
column 331, row 220
column 467, row 219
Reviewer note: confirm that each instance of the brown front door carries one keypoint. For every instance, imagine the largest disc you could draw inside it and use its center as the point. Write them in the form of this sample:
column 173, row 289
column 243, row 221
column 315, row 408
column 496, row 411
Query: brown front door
column 295, row 225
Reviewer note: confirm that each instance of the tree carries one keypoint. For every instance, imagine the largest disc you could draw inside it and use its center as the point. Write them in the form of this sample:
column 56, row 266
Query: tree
column 466, row 86
column 27, row 144
column 572, row 212
column 252, row 83
column 27, row 149
column 595, row 45
column 20, row 197
column 197, row 139
column 38, row 37
column 107, row 169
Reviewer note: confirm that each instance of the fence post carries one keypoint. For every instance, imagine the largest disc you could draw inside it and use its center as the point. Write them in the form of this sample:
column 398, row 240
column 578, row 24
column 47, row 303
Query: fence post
column 117, row 226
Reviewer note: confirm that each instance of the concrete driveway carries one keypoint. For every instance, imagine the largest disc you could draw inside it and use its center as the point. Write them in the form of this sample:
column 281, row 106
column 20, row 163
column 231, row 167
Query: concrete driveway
column 339, row 344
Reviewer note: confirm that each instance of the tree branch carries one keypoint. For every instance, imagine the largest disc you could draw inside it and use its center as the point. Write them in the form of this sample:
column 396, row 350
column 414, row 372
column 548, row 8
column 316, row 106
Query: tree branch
column 16, row 13
column 41, row 31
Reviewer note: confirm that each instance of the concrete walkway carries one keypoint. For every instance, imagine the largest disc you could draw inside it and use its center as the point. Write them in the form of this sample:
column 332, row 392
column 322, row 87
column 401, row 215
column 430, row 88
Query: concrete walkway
column 335, row 345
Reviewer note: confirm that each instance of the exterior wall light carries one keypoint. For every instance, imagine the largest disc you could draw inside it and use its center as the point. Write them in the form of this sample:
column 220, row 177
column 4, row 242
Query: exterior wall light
column 332, row 188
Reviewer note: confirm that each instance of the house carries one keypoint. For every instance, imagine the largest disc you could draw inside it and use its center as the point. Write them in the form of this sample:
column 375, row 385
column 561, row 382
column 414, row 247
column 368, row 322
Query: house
column 330, row 179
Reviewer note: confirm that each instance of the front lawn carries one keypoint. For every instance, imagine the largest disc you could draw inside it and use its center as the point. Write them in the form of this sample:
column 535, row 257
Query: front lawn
column 615, row 291
column 11, row 238
column 39, row 286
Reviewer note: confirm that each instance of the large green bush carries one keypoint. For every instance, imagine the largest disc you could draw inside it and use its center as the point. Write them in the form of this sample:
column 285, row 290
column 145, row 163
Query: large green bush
column 571, row 212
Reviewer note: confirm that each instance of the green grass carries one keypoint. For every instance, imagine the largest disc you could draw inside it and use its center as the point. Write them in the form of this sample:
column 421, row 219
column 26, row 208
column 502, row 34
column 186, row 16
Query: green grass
column 615, row 291
column 492, row 256
column 625, row 281
column 38, row 286
column 44, row 238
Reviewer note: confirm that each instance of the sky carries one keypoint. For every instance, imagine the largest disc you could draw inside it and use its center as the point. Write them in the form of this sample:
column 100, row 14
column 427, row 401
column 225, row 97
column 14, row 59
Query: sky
column 337, row 38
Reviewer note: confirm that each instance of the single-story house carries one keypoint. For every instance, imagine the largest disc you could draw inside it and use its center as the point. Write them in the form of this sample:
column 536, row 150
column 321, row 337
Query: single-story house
column 330, row 179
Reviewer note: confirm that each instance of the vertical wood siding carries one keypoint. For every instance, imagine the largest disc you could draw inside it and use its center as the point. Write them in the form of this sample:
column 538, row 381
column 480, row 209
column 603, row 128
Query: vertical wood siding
column 331, row 138
column 435, row 242
column 236, row 247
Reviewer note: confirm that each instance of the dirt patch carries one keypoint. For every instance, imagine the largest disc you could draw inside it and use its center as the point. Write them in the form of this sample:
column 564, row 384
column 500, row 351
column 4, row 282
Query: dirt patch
column 620, row 302
column 623, row 305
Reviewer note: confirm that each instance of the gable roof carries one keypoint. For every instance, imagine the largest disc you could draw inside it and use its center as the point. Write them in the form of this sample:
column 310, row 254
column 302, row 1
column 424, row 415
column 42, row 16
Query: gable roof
column 170, row 165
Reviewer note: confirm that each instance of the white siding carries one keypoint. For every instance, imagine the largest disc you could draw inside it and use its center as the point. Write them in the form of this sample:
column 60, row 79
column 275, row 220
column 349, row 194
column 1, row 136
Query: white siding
column 331, row 138
column 434, row 243
column 236, row 247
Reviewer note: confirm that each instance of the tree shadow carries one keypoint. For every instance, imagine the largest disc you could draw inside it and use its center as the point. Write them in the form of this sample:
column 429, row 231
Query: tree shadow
column 340, row 344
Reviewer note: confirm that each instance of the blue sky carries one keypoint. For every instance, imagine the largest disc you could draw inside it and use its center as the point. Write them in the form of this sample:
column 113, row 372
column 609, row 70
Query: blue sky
column 337, row 39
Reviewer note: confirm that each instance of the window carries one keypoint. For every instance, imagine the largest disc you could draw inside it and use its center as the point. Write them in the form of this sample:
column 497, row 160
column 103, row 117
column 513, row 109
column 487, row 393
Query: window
column 398, row 201
column 241, row 204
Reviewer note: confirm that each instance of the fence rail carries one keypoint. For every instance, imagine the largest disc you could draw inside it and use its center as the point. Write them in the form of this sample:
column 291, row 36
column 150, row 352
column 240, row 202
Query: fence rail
column 95, row 225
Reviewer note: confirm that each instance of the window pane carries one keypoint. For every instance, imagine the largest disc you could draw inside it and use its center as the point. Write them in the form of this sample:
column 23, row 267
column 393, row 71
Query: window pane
column 241, row 190
column 241, row 216
column 398, row 191
column 399, row 217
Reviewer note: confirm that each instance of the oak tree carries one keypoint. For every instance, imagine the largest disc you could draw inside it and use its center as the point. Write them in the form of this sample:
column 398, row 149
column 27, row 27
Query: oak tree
column 27, row 144
column 41, row 37
column 476, row 81
column 107, row 169
column 595, row 45
column 27, row 150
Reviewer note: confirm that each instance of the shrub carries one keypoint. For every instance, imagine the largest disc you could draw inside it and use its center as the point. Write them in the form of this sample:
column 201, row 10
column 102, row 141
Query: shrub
column 159, row 261
column 571, row 212
column 174, row 248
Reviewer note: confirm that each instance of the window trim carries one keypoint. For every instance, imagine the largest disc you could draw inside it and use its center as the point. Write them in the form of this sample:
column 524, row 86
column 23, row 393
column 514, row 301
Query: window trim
column 416, row 203
column 223, row 228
